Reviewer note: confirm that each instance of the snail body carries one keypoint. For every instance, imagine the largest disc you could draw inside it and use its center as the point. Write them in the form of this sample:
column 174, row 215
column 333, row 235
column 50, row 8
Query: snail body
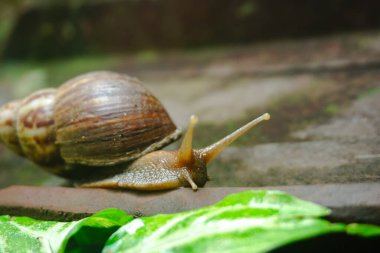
column 104, row 129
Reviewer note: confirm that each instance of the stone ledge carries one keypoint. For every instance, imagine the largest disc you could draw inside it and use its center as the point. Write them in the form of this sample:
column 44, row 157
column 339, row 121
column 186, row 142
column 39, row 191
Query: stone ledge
column 349, row 202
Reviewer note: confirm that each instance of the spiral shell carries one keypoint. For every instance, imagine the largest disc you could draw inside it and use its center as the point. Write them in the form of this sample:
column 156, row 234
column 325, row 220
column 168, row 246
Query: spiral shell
column 35, row 128
column 96, row 119
column 106, row 118
column 8, row 131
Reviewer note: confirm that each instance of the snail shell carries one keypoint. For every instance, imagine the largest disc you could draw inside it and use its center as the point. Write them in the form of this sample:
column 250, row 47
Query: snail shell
column 97, row 119
column 100, row 129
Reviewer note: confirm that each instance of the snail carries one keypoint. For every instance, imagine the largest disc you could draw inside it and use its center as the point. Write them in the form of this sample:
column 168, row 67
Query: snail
column 104, row 129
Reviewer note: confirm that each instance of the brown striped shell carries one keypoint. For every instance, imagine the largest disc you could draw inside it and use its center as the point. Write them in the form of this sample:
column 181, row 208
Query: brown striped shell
column 96, row 119
column 8, row 131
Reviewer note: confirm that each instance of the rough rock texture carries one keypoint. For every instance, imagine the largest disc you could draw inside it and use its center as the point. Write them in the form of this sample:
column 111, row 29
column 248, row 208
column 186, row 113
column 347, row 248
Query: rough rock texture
column 345, row 149
column 361, row 121
column 219, row 102
column 323, row 95
column 312, row 162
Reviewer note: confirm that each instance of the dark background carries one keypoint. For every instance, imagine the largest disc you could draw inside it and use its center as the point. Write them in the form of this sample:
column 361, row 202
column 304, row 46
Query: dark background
column 48, row 29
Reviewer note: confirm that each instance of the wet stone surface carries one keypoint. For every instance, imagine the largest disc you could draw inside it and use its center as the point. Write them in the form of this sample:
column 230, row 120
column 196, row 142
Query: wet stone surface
column 345, row 149
column 323, row 95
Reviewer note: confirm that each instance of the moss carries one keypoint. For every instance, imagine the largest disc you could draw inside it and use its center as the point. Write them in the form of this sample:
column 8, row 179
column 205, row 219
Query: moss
column 62, row 70
column 369, row 92
column 332, row 109
column 147, row 56
column 247, row 8
column 293, row 112
column 57, row 71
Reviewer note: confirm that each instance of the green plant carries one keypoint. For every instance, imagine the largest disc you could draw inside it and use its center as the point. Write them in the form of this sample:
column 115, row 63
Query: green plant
column 252, row 221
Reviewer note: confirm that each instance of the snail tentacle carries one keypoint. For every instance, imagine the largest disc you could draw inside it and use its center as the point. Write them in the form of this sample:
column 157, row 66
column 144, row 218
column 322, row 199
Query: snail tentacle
column 210, row 152
column 185, row 152
column 186, row 175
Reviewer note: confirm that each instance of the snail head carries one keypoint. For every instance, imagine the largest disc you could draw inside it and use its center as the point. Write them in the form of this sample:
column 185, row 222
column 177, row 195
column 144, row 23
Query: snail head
column 195, row 160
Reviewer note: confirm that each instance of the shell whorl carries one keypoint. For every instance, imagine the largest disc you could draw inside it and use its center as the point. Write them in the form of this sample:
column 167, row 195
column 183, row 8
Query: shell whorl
column 36, row 129
column 27, row 127
column 106, row 118
column 96, row 119
column 8, row 121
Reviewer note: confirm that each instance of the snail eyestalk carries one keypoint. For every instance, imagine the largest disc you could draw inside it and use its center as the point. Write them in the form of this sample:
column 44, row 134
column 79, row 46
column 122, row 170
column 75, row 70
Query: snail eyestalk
column 210, row 152
column 185, row 152
column 188, row 178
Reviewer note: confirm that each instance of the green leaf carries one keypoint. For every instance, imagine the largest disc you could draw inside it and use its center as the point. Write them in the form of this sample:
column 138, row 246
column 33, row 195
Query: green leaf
column 23, row 234
column 275, row 201
column 253, row 221
column 363, row 230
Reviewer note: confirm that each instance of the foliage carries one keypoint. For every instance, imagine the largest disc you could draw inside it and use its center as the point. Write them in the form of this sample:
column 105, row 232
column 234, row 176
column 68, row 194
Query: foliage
column 252, row 221
column 23, row 234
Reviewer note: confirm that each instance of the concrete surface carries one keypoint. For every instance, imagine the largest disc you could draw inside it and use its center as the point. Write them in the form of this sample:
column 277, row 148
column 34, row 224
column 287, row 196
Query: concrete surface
column 323, row 94
column 349, row 202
